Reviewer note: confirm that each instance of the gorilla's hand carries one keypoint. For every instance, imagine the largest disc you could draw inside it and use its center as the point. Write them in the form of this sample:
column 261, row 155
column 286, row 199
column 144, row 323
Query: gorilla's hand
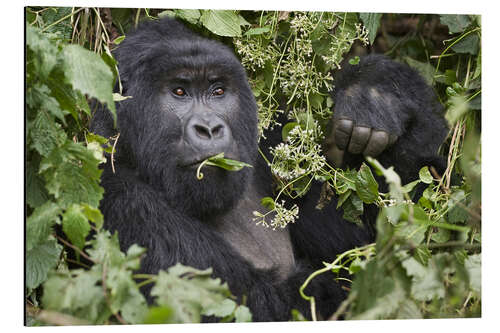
column 356, row 139
column 373, row 102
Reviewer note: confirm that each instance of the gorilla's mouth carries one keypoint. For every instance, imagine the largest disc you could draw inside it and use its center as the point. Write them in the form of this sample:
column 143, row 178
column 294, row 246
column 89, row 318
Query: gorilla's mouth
column 195, row 162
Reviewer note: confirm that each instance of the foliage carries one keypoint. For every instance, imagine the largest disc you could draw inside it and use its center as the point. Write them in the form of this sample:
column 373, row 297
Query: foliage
column 426, row 260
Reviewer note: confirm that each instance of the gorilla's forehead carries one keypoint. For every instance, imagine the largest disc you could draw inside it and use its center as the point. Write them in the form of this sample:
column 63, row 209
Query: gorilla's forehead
column 196, row 59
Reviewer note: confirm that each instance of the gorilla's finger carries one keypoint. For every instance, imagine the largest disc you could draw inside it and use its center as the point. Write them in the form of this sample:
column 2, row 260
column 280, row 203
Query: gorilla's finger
column 359, row 138
column 392, row 139
column 335, row 155
column 342, row 129
column 377, row 143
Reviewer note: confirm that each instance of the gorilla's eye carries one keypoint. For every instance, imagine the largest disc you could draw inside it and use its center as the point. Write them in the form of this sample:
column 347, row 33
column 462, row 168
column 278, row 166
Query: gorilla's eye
column 218, row 92
column 179, row 91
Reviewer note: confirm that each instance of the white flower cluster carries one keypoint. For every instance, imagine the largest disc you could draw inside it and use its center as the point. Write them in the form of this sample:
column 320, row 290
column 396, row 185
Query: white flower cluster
column 342, row 43
column 253, row 54
column 282, row 217
column 299, row 155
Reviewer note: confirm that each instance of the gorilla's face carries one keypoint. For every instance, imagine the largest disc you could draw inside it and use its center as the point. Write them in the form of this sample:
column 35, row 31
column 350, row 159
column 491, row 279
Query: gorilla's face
column 190, row 100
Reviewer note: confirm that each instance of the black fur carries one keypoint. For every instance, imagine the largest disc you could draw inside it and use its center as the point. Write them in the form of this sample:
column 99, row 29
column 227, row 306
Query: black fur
column 154, row 201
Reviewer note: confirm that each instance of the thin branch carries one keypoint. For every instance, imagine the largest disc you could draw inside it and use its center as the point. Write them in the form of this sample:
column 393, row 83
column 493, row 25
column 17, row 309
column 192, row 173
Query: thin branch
column 83, row 254
column 106, row 297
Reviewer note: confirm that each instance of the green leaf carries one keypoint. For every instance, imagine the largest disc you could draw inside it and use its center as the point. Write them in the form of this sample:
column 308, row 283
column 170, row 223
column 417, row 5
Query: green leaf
column 426, row 284
column 75, row 225
column 225, row 163
column 286, row 130
column 39, row 224
column 89, row 74
column 40, row 259
column 353, row 209
column 257, row 31
column 355, row 60
column 455, row 23
column 473, row 266
column 72, row 175
column 391, row 178
column 189, row 292
column 371, row 21
column 44, row 52
column 425, row 175
column 78, row 293
column 469, row 44
column 36, row 195
column 159, row 315
column 366, row 185
column 222, row 22
column 93, row 214
column 190, row 15
column 223, row 309
column 106, row 249
column 45, row 133
column 268, row 202
column 242, row 314
column 423, row 68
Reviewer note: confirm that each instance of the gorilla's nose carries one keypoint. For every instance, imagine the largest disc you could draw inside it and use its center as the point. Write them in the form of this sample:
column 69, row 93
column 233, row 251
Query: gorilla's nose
column 208, row 133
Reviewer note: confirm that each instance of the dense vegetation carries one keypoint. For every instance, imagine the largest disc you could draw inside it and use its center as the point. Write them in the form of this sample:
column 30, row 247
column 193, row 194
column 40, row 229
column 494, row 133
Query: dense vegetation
column 426, row 262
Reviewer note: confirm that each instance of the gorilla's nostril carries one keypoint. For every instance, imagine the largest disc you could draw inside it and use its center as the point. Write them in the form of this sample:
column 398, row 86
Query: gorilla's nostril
column 218, row 131
column 202, row 132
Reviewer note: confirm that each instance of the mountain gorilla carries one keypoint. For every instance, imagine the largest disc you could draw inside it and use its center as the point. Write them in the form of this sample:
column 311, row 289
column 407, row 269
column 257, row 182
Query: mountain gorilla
column 191, row 100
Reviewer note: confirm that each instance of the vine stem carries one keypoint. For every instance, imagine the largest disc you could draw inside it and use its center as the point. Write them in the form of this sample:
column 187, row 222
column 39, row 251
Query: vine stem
column 327, row 267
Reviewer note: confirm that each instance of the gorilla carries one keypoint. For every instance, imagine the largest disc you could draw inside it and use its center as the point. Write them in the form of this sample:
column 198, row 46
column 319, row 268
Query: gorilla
column 191, row 100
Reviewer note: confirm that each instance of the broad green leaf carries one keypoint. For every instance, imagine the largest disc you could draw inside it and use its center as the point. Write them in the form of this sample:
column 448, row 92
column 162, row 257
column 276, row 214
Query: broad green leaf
column 189, row 292
column 222, row 22
column 44, row 52
column 391, row 177
column 411, row 231
column 257, row 31
column 222, row 309
column 268, row 202
column 36, row 195
column 78, row 293
column 190, row 15
column 40, row 259
column 426, row 283
column 75, row 225
column 371, row 21
column 379, row 293
column 89, row 74
column 425, row 175
column 45, row 133
column 366, row 185
column 473, row 266
column 425, row 69
column 159, row 315
column 408, row 309
column 469, row 44
column 410, row 186
column 353, row 209
column 39, row 224
column 242, row 314
column 455, row 23
column 106, row 249
column 225, row 163
column 134, row 307
column 93, row 214
column 441, row 235
column 286, row 129
column 72, row 175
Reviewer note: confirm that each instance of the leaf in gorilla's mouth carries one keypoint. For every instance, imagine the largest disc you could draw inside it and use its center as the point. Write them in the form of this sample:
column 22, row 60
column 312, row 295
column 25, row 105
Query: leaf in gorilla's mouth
column 221, row 162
